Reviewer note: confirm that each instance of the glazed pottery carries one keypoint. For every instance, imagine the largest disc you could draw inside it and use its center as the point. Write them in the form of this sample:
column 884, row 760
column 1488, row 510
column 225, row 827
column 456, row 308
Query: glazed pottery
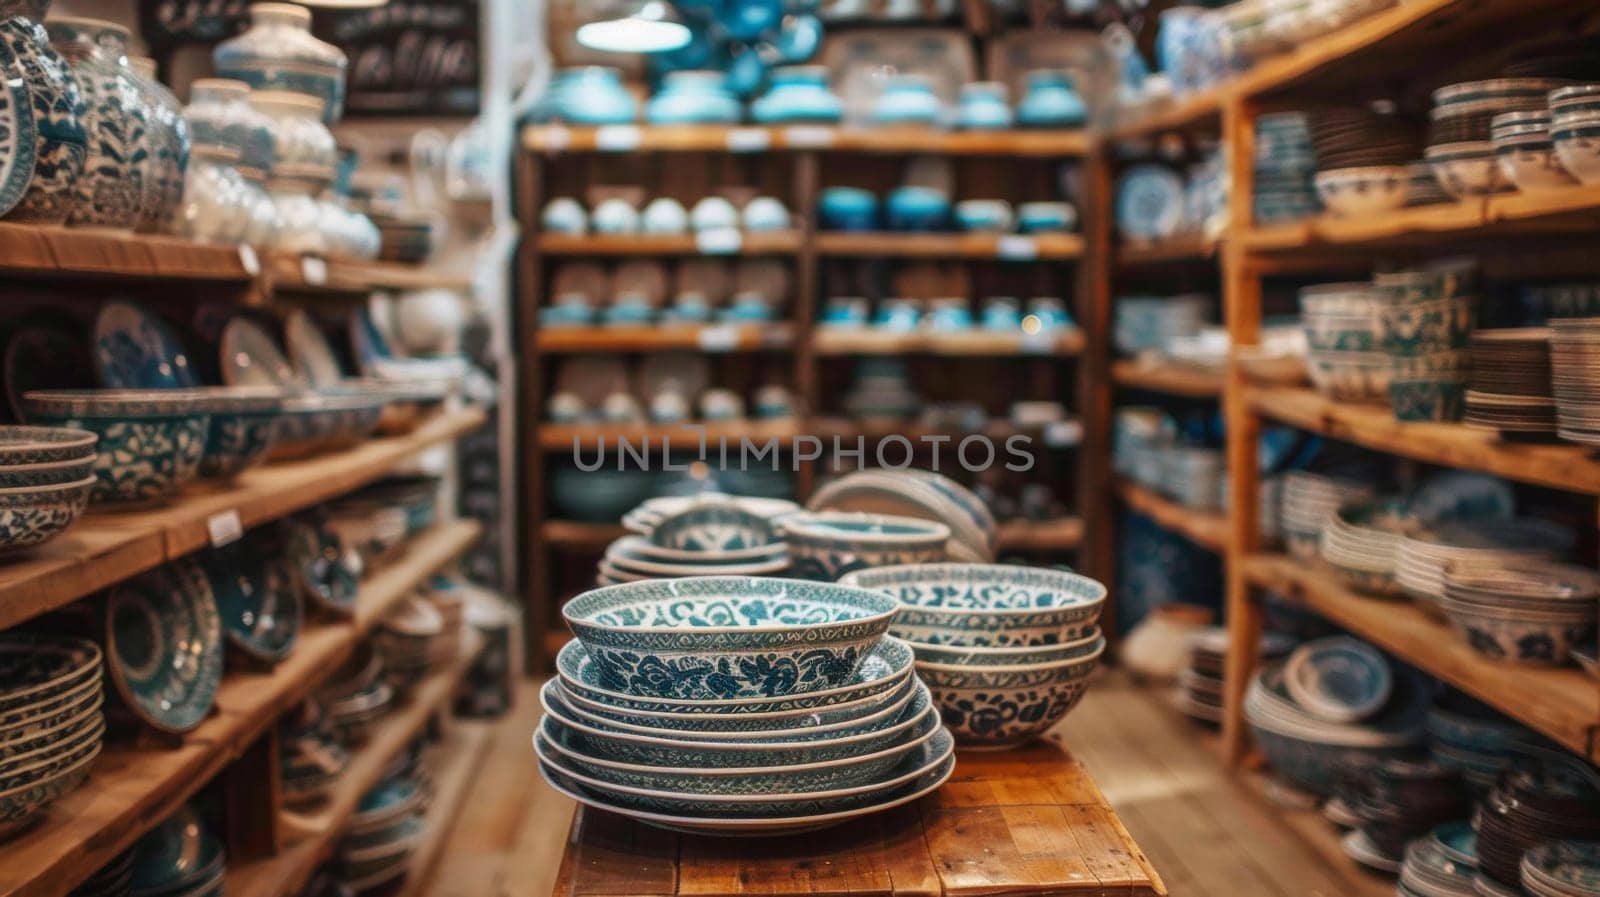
column 33, row 515
column 984, row 106
column 256, row 599
column 848, row 208
column 994, row 707
column 1339, row 679
column 116, row 120
column 907, row 99
column 179, row 857
column 169, row 147
column 693, row 97
column 58, row 108
column 798, row 94
column 1051, row 101
column 591, row 95
column 826, row 545
column 134, row 349
column 278, row 52
column 987, row 605
column 150, row 441
column 1021, row 655
column 326, row 574
column 302, row 145
column 44, row 445
column 164, row 646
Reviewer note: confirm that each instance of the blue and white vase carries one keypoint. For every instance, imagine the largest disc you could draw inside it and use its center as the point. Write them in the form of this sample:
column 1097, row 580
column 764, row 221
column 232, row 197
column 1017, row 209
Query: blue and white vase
column 57, row 110
column 278, row 52
column 169, row 142
column 110, row 193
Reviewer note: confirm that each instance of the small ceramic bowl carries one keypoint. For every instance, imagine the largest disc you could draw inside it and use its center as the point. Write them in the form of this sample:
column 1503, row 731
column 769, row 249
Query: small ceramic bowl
column 765, row 213
column 44, row 445
column 664, row 215
column 564, row 215
column 614, row 216
column 326, row 574
column 1466, row 169
column 164, row 646
column 1358, row 192
column 44, row 674
column 966, row 655
column 179, row 856
column 699, row 638
column 150, row 440
column 1520, row 636
column 987, row 605
column 33, row 515
column 244, row 428
column 985, row 215
column 1046, row 217
column 826, row 545
column 848, row 209
column 714, row 526
column 714, row 213
column 991, row 708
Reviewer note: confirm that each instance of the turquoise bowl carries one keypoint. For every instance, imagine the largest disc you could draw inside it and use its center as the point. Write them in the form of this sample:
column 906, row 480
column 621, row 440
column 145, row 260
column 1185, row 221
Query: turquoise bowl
column 1051, row 101
column 667, row 749
column 1416, row 328
column 150, row 440
column 44, row 445
column 848, row 208
column 727, row 637
column 177, row 855
column 256, row 597
column 994, row 707
column 33, row 515
column 164, row 646
column 715, row 526
column 961, row 655
column 984, row 107
column 693, row 97
column 917, row 209
column 316, row 558
column 886, row 668
column 244, row 428
column 798, row 94
column 987, row 605
column 907, row 99
column 591, row 95
column 826, row 545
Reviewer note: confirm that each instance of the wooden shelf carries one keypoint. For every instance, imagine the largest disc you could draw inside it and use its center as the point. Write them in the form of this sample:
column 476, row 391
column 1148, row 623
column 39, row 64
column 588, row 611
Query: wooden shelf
column 871, row 341
column 131, row 790
column 28, row 249
column 106, row 547
column 757, row 138
column 563, row 437
column 1200, row 111
column 747, row 243
column 1176, row 251
column 288, row 871
column 307, row 274
column 1572, row 468
column 459, row 757
column 1208, row 529
column 1563, row 704
column 1003, row 247
column 1061, row 534
column 1168, row 377
column 579, row 536
column 666, row 337
column 1059, row 434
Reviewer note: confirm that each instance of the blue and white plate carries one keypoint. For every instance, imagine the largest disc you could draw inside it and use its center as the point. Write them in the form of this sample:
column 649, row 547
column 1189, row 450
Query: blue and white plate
column 1565, row 868
column 134, row 349
column 1339, row 679
column 1149, row 202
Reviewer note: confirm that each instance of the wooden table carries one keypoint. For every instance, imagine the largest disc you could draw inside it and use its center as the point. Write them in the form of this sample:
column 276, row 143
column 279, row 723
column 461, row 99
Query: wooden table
column 1020, row 823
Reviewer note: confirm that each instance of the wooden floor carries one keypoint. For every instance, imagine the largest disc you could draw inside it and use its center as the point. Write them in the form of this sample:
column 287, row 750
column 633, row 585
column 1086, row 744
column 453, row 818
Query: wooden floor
column 1207, row 833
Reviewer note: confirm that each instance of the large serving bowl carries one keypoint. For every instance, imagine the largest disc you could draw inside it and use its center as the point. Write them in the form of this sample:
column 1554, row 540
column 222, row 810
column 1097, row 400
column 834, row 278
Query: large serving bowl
column 150, row 440
column 244, row 427
column 728, row 637
column 996, row 707
column 33, row 515
column 164, row 646
column 987, row 605
column 825, row 545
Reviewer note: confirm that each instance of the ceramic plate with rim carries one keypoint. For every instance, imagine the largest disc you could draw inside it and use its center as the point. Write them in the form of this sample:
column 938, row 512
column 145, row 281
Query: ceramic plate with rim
column 1339, row 679
column 883, row 492
column 309, row 350
column 164, row 642
column 249, row 356
column 36, row 668
column 134, row 349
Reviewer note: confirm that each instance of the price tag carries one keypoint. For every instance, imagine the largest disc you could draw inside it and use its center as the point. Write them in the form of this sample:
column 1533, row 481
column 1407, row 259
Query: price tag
column 249, row 260
column 719, row 241
column 1015, row 247
column 1041, row 343
column 1063, row 434
column 618, row 138
column 224, row 528
column 808, row 136
column 748, row 140
column 721, row 338
column 314, row 270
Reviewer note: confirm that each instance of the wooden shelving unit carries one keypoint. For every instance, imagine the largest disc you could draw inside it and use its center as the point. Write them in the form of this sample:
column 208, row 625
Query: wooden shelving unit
column 715, row 243
column 1003, row 247
column 1206, row 528
column 56, row 252
column 700, row 337
column 1177, row 251
column 1062, row 534
column 556, row 139
column 1167, row 377
column 870, row 341
column 297, row 274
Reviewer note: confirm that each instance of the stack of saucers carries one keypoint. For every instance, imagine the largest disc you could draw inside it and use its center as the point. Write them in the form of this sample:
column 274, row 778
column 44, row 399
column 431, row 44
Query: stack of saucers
column 738, row 705
column 1284, row 163
column 1394, row 801
column 1472, row 739
column 311, row 757
column 1361, row 543
column 383, row 834
column 1309, row 502
column 1575, row 378
column 707, row 536
column 1536, row 802
column 1428, row 871
column 406, row 640
column 50, row 722
column 1510, row 387
column 356, row 695
column 1426, row 551
column 46, row 474
column 1199, row 692
column 1562, row 869
column 179, row 858
column 1530, row 612
column 1007, row 650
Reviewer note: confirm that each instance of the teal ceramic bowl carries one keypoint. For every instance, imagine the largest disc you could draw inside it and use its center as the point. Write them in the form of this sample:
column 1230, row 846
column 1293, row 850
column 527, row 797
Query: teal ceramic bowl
column 1022, row 655
column 886, row 668
column 164, row 646
column 917, row 209
column 33, row 515
column 995, row 707
column 150, row 440
column 44, row 445
column 988, row 605
column 715, row 526
column 727, row 637
column 848, row 208
column 40, row 671
column 244, row 427
column 1417, row 328
column 826, row 545
column 256, row 597
column 317, row 562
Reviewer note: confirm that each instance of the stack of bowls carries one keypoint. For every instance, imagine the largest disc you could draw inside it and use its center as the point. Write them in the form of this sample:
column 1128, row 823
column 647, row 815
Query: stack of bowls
column 407, row 641
column 1472, row 739
column 50, row 722
column 1393, row 801
column 1426, row 552
column 1153, row 322
column 1428, row 871
column 1309, row 502
column 1562, row 869
column 712, row 535
column 1574, row 125
column 1344, row 340
column 46, row 474
column 383, row 834
column 1510, row 387
column 1575, row 378
column 114, row 879
column 356, row 695
column 179, row 858
column 1535, row 802
column 1284, row 164
column 738, row 705
column 1006, row 650
column 1525, row 152
column 1428, row 316
column 826, row 545
column 311, row 757
column 1530, row 612
column 1460, row 146
column 1361, row 544
column 163, row 643
column 1199, row 693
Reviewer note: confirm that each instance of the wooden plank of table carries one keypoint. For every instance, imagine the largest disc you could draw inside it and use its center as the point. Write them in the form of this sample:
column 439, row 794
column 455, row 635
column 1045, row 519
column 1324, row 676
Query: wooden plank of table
column 1026, row 822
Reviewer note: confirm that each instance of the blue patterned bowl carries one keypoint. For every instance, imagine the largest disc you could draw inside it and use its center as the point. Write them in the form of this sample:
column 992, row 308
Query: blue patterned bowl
column 47, row 736
column 33, row 515
column 714, row 526
column 698, row 779
column 886, row 668
column 987, row 605
column 994, row 707
column 17, row 805
column 48, row 473
column 164, row 646
column 43, row 673
column 256, row 598
column 44, row 445
column 151, row 440
column 742, row 796
column 727, row 637
column 670, row 749
column 244, row 427
column 826, row 545
column 1023, row 655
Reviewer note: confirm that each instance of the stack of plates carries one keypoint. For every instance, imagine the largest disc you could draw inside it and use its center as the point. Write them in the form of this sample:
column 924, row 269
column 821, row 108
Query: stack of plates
column 115, row 879
column 408, row 641
column 356, row 695
column 738, row 706
column 1145, row 323
column 1532, row 804
column 919, row 494
column 1426, row 551
column 1472, row 739
column 1284, row 163
column 1510, row 389
column 1459, row 145
column 179, row 858
column 709, row 535
column 50, row 721
column 1309, row 501
column 1531, row 612
column 311, row 757
column 644, row 518
column 1575, row 378
column 1428, row 871
column 1199, row 693
column 1562, row 869
column 1394, row 801
column 382, row 836
column 1362, row 544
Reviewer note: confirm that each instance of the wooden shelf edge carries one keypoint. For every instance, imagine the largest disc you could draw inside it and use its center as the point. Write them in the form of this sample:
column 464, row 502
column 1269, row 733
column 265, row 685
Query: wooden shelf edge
column 1209, row 529
column 652, row 338
column 45, row 250
column 577, row 535
column 1001, row 247
column 871, row 341
column 1172, row 378
column 750, row 243
column 1561, row 703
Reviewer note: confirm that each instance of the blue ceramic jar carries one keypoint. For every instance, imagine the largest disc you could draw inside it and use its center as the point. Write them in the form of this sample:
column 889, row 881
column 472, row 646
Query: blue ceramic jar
column 59, row 140
column 798, row 93
column 169, row 140
column 697, row 97
column 110, row 192
column 278, row 52
column 1051, row 101
column 984, row 106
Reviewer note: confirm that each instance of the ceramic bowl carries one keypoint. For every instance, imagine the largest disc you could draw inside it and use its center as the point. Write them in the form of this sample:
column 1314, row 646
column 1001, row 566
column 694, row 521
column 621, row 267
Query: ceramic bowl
column 1466, row 169
column 1046, row 217
column 244, row 427
column 1418, row 328
column 164, row 646
column 667, row 749
column 257, row 599
column 614, row 216
column 1428, row 400
column 40, row 673
column 18, row 805
column 825, row 545
column 988, row 605
column 985, row 215
column 764, row 214
column 886, row 668
column 1350, row 376
column 966, row 655
column 150, row 441
column 1532, row 165
column 1521, row 636
column 848, row 208
column 33, row 515
column 1001, row 706
column 1359, row 192
column 564, row 215
column 727, row 637
column 1339, row 679
column 916, row 209
column 22, row 446
column 1578, row 148
column 715, row 526
column 177, row 857
column 664, row 215
column 714, row 213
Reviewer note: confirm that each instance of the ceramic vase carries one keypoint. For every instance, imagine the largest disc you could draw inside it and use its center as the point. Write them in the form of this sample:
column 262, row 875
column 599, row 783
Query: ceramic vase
column 110, row 192
column 216, row 206
column 170, row 143
column 299, row 215
column 57, row 109
column 278, row 52
column 301, row 142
